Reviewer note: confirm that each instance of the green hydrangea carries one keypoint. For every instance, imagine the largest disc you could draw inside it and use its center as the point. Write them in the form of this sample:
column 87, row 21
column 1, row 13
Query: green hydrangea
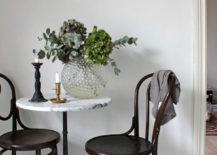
column 98, row 46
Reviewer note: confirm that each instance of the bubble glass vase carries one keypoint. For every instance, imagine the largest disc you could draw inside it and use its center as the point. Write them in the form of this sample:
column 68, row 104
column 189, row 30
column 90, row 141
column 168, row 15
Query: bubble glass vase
column 81, row 79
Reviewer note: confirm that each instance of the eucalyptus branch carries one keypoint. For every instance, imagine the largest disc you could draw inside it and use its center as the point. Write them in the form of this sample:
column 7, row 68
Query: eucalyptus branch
column 123, row 41
column 114, row 65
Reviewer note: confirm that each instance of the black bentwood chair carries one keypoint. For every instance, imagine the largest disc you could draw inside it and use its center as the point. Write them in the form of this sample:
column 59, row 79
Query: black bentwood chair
column 26, row 139
column 125, row 144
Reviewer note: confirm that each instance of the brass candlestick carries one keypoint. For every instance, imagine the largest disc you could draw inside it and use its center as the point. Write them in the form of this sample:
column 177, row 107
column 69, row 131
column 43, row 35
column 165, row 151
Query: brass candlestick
column 58, row 99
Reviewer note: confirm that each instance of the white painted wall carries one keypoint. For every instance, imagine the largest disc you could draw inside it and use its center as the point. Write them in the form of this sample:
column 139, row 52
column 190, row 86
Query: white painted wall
column 164, row 29
column 212, row 46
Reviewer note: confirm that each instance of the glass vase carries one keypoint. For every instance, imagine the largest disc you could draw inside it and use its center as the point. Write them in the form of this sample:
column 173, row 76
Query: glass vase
column 81, row 79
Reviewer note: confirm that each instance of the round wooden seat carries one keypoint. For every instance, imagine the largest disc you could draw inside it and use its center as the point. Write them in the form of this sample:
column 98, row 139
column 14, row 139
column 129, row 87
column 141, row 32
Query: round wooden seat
column 117, row 145
column 29, row 139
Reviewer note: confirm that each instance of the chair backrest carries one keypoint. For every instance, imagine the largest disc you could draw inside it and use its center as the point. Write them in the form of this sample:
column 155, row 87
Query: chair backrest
column 159, row 117
column 14, row 113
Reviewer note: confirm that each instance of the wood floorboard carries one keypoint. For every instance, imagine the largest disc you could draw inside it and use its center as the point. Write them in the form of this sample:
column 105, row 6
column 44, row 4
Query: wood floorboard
column 211, row 145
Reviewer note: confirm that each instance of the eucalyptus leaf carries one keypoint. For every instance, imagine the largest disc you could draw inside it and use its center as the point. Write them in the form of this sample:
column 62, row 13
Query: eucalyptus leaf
column 41, row 54
column 40, row 39
column 47, row 47
column 73, row 39
column 117, row 71
column 48, row 56
column 54, row 59
column 113, row 64
column 48, row 31
column 34, row 51
column 71, row 57
column 74, row 53
column 45, row 37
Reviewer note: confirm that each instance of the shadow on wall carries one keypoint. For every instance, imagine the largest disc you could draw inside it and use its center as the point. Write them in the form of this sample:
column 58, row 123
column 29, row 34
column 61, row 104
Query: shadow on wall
column 133, row 66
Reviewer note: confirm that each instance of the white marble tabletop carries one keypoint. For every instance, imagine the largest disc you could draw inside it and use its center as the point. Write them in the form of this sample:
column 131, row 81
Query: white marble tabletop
column 72, row 104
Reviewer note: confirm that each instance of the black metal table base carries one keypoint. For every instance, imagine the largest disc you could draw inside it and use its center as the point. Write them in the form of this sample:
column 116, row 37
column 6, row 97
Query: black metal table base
column 65, row 132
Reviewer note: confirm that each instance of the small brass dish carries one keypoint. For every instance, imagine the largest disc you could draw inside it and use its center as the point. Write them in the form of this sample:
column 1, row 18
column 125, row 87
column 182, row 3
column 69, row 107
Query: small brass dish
column 58, row 100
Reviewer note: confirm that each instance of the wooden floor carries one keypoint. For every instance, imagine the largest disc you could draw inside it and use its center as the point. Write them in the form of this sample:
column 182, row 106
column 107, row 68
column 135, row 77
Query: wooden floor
column 211, row 145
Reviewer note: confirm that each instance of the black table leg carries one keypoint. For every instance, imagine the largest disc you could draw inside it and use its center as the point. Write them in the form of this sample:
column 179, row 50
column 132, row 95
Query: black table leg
column 65, row 132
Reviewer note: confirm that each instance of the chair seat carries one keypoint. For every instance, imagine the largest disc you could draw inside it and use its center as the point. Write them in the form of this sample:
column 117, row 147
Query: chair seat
column 29, row 139
column 118, row 145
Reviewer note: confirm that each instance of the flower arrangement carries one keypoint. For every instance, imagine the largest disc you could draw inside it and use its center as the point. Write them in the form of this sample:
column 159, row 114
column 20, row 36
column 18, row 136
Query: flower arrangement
column 73, row 42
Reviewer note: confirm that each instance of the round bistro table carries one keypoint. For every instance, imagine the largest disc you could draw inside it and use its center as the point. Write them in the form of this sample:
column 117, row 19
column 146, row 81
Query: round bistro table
column 72, row 104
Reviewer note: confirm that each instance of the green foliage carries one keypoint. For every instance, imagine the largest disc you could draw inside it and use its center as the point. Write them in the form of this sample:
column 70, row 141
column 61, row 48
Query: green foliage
column 98, row 47
column 72, row 43
column 114, row 65
column 67, row 46
column 120, row 43
column 123, row 41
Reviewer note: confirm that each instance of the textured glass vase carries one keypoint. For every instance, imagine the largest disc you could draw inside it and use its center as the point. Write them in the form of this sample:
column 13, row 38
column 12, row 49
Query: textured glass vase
column 81, row 79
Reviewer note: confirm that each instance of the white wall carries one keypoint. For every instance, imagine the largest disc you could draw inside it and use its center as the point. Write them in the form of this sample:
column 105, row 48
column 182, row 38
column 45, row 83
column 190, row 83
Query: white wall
column 212, row 46
column 164, row 29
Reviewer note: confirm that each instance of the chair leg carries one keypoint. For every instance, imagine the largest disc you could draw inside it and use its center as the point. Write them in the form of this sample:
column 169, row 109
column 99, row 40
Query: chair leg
column 155, row 149
column 14, row 153
column 38, row 152
column 54, row 151
column 154, row 152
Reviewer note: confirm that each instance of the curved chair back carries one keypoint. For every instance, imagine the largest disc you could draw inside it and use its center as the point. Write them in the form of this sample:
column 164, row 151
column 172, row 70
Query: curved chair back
column 14, row 113
column 159, row 117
